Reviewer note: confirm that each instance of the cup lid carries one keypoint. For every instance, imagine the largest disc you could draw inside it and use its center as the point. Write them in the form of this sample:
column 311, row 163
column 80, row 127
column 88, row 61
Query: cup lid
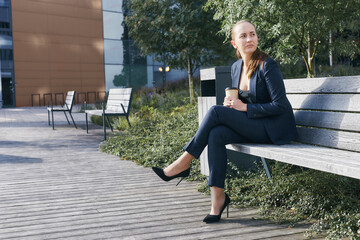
column 231, row 88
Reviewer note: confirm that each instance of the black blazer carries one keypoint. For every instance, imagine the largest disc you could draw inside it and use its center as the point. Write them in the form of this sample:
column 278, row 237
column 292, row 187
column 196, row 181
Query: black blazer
column 270, row 104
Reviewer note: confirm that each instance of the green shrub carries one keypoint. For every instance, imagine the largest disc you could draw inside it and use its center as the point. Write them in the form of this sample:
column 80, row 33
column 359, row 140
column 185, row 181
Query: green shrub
column 157, row 138
column 297, row 194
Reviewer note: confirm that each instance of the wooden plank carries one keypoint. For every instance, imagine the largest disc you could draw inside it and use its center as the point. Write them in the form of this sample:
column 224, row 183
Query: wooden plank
column 344, row 84
column 329, row 155
column 120, row 90
column 87, row 194
column 331, row 165
column 332, row 102
column 334, row 120
column 119, row 97
column 204, row 104
column 116, row 102
column 329, row 138
column 207, row 74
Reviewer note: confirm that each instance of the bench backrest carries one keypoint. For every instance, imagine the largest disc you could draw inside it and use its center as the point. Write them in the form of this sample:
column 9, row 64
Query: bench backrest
column 327, row 110
column 69, row 100
column 118, row 96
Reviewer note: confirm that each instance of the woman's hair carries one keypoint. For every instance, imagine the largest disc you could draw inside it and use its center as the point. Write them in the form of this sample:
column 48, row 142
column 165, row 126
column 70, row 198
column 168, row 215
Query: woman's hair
column 256, row 58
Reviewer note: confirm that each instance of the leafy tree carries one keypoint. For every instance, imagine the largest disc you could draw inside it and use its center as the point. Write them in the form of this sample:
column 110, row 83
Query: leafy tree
column 293, row 28
column 178, row 32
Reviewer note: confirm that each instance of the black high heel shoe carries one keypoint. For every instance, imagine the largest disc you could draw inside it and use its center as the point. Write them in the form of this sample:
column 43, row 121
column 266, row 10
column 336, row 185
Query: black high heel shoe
column 162, row 175
column 215, row 218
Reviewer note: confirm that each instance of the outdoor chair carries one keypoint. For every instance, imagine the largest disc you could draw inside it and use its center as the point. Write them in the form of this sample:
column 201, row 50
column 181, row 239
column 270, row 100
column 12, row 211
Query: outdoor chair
column 67, row 107
column 118, row 104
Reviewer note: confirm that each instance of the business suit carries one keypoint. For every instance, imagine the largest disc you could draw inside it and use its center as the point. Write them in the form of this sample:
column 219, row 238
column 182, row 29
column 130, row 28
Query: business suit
column 269, row 119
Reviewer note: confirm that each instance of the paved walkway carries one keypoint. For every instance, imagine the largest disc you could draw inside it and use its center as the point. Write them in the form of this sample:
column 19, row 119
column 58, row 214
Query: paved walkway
column 58, row 185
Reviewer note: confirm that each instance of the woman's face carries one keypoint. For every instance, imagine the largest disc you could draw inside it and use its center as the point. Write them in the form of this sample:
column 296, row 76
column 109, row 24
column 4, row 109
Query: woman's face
column 244, row 38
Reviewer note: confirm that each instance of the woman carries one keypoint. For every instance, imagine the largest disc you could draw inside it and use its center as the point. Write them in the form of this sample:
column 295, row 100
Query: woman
column 263, row 115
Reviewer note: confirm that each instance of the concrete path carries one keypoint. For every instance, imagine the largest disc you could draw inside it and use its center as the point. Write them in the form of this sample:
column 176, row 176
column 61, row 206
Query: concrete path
column 58, row 185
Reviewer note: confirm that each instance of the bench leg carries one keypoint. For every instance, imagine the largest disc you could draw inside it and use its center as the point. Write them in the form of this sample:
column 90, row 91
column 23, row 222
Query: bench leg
column 52, row 118
column 108, row 121
column 104, row 126
column 103, row 118
column 267, row 169
column 72, row 119
column 49, row 117
column 66, row 118
column 86, row 120
column 127, row 118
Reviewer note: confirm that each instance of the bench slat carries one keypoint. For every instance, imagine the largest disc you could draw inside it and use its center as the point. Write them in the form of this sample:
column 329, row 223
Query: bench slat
column 120, row 90
column 310, row 152
column 119, row 97
column 107, row 112
column 348, row 84
column 293, row 154
column 329, row 138
column 334, row 120
column 205, row 103
column 330, row 102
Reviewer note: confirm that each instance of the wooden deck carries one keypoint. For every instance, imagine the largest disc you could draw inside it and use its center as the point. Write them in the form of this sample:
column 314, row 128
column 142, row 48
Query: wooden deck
column 58, row 185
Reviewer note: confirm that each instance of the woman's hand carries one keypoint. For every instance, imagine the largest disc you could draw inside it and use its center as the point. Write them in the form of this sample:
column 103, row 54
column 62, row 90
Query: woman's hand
column 235, row 104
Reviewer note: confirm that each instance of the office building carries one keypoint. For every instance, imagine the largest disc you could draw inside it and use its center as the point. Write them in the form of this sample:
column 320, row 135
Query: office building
column 49, row 47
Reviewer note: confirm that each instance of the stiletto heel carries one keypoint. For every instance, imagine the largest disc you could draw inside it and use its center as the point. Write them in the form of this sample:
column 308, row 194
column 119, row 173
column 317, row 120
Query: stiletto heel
column 161, row 174
column 215, row 218
column 179, row 181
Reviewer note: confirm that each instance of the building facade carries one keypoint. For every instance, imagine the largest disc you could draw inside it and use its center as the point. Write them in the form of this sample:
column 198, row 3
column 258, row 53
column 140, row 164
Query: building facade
column 49, row 47
column 6, row 55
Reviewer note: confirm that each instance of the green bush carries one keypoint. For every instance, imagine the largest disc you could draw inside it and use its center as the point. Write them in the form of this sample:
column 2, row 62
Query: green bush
column 157, row 138
column 297, row 194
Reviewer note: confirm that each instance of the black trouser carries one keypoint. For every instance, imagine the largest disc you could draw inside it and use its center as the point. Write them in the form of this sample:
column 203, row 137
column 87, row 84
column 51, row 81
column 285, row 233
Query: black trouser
column 221, row 126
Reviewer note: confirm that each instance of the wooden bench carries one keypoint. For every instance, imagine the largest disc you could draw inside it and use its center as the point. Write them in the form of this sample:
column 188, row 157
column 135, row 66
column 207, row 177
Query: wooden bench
column 118, row 104
column 67, row 107
column 327, row 114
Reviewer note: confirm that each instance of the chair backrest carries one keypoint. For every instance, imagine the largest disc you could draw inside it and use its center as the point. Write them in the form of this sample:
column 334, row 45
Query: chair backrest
column 118, row 96
column 69, row 101
column 327, row 110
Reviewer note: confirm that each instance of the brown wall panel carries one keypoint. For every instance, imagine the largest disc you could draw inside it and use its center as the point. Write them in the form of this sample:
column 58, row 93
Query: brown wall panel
column 87, row 13
column 90, row 54
column 91, row 67
column 93, row 4
column 56, row 2
column 58, row 46
column 60, row 25
column 25, row 74
column 65, row 75
column 65, row 67
column 32, row 66
column 30, row 52
column 30, row 6
column 90, row 28
column 64, row 53
column 28, row 22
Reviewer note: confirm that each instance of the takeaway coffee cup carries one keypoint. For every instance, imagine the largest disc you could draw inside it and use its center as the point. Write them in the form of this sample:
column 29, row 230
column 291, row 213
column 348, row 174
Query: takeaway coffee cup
column 231, row 92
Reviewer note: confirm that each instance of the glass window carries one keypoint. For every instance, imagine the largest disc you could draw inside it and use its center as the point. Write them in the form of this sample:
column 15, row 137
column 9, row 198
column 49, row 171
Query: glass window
column 4, row 3
column 114, row 52
column 135, row 54
column 113, row 25
column 150, row 76
column 4, row 18
column 5, row 41
column 116, row 76
column 113, row 5
column 138, row 75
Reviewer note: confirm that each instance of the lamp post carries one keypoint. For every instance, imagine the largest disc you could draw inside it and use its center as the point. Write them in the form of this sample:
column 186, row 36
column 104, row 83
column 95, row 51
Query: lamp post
column 164, row 70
